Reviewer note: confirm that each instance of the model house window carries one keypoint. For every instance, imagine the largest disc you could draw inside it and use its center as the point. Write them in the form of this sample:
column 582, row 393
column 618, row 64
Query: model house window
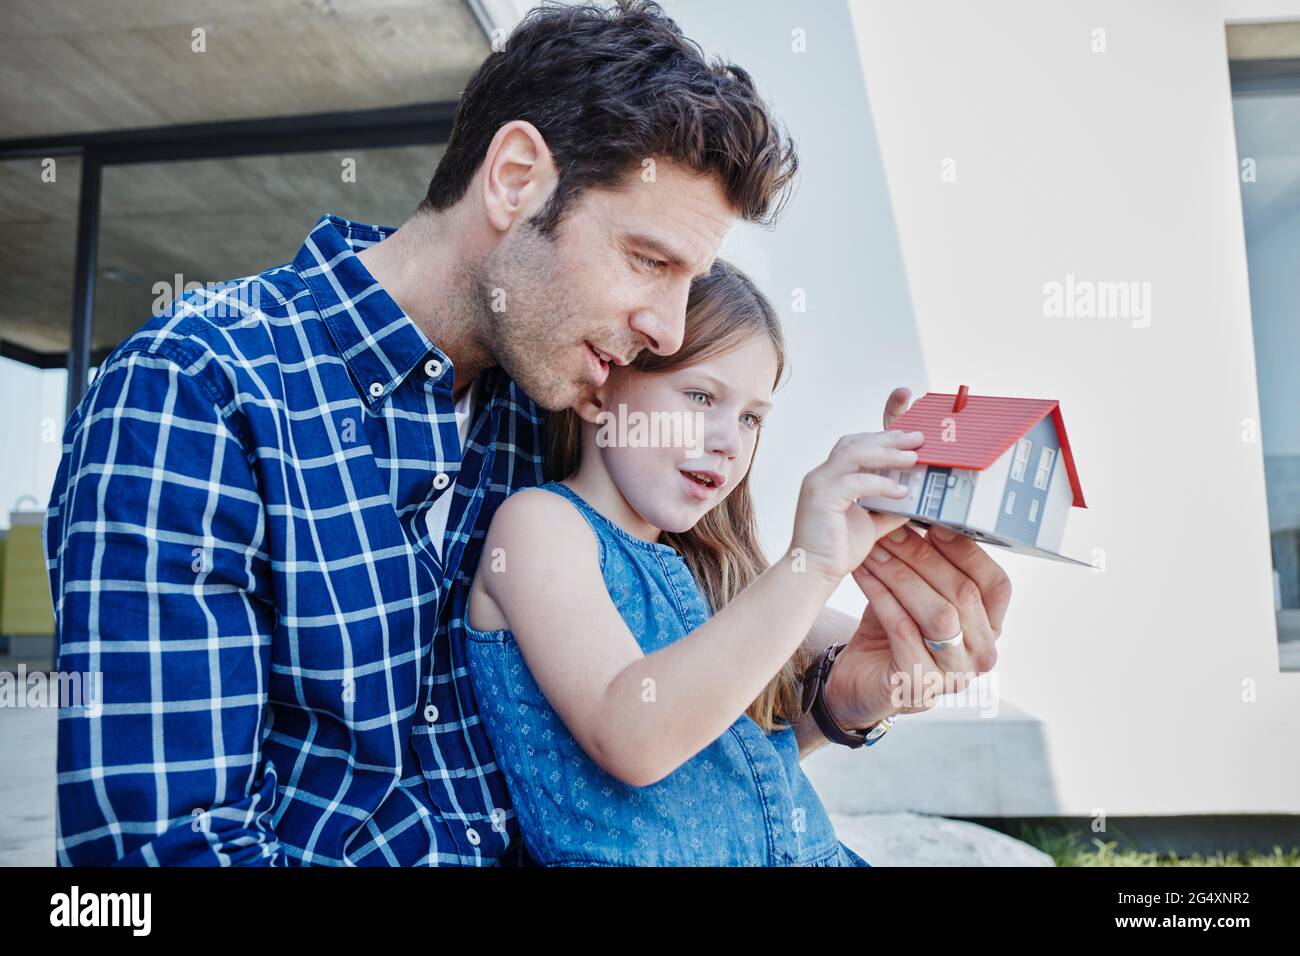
column 1045, row 459
column 1010, row 507
column 1021, row 460
column 1033, row 511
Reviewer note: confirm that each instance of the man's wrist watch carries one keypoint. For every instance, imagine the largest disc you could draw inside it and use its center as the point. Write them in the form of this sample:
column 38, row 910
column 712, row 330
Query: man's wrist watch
column 815, row 679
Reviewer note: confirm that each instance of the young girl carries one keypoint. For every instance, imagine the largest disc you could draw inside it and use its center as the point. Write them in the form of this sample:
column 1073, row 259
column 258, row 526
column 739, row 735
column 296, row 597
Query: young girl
column 636, row 663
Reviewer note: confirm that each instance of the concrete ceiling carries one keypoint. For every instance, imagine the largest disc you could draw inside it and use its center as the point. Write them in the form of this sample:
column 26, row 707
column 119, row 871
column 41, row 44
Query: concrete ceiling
column 84, row 65
column 1264, row 41
column 89, row 66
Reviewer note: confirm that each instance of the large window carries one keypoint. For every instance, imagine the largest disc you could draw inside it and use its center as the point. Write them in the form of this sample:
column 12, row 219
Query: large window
column 166, row 225
column 1266, row 109
column 162, row 227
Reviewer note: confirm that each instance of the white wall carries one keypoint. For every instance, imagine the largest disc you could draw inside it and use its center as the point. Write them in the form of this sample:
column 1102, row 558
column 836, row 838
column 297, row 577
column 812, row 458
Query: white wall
column 1125, row 687
column 1057, row 509
column 1112, row 166
column 990, row 492
column 836, row 245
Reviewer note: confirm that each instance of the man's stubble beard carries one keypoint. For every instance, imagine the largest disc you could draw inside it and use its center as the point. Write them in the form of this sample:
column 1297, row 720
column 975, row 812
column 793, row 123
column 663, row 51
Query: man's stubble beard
column 535, row 335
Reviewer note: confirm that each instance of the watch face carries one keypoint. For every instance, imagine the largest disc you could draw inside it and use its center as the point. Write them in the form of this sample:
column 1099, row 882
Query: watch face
column 878, row 731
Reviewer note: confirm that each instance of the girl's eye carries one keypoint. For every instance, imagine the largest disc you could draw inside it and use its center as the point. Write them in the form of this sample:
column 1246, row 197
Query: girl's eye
column 705, row 395
column 753, row 420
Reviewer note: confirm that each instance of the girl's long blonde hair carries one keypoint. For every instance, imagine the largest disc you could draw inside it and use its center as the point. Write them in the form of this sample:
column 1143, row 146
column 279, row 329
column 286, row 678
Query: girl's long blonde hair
column 722, row 550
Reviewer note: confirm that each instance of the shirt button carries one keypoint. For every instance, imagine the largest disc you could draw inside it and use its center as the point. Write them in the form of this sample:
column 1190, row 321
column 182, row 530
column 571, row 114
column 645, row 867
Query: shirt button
column 472, row 835
column 441, row 481
column 433, row 368
column 376, row 389
column 431, row 713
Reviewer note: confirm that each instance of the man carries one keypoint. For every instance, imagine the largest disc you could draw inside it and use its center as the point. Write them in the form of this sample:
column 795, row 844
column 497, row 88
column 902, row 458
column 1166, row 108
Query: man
column 269, row 496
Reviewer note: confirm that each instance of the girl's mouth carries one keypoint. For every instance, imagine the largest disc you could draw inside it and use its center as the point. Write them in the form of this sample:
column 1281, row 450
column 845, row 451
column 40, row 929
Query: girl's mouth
column 700, row 484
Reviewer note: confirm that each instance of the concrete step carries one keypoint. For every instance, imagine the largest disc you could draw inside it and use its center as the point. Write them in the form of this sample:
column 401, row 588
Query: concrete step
column 948, row 761
column 914, row 839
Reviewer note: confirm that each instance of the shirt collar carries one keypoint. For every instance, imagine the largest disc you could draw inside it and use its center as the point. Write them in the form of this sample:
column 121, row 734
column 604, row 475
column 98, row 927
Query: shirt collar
column 377, row 340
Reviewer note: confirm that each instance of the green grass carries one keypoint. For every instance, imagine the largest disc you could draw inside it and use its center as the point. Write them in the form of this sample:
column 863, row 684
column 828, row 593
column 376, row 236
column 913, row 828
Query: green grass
column 1078, row 848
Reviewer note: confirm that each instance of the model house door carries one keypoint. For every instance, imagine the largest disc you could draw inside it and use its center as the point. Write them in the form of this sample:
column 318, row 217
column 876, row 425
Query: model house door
column 936, row 484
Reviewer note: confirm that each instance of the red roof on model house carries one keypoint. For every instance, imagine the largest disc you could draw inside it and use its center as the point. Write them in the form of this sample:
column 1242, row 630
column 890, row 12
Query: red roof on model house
column 986, row 426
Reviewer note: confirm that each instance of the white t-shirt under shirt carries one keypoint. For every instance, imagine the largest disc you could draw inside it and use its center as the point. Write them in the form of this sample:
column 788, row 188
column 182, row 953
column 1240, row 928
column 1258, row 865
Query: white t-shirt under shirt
column 441, row 510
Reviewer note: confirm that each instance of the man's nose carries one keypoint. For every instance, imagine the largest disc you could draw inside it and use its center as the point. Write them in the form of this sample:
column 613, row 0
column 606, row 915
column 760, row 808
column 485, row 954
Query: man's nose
column 663, row 325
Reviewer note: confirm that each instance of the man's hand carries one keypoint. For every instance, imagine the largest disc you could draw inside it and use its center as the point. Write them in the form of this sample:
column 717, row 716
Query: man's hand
column 928, row 586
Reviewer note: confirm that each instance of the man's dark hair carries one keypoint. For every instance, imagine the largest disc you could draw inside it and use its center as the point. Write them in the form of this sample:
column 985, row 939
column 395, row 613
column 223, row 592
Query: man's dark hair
column 608, row 88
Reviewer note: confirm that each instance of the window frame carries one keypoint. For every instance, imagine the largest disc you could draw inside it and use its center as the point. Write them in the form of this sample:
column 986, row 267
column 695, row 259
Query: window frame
column 1020, row 462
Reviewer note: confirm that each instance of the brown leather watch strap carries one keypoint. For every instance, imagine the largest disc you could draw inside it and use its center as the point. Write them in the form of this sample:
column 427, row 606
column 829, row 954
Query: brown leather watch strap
column 814, row 699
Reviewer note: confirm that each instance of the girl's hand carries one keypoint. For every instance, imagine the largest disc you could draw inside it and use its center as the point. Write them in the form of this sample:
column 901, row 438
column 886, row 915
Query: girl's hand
column 834, row 534
column 929, row 586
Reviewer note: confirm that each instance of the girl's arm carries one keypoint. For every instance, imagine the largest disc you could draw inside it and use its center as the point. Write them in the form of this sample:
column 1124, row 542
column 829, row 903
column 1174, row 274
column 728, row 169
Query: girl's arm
column 641, row 716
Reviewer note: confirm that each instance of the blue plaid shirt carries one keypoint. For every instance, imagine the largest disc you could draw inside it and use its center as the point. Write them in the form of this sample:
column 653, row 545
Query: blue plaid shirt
column 237, row 540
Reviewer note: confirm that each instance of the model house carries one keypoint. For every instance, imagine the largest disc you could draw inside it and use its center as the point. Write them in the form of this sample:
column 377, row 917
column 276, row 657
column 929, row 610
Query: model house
column 998, row 469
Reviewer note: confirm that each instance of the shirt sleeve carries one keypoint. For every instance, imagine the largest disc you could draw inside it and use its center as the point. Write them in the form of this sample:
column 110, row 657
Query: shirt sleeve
column 163, row 605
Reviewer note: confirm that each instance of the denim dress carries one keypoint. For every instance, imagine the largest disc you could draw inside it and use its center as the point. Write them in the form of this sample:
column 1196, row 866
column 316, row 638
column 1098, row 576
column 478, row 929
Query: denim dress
column 743, row 800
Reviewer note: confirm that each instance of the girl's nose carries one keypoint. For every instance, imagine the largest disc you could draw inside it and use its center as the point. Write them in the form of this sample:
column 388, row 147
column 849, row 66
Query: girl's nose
column 723, row 438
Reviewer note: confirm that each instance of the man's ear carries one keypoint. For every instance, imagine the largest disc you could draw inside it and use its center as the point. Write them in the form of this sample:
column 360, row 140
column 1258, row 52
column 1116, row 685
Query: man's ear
column 518, row 174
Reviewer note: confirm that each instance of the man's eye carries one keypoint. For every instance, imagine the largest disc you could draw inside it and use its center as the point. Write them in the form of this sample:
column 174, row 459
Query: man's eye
column 652, row 264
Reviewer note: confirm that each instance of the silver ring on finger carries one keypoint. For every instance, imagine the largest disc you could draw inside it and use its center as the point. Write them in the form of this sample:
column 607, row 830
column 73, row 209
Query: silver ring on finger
column 945, row 645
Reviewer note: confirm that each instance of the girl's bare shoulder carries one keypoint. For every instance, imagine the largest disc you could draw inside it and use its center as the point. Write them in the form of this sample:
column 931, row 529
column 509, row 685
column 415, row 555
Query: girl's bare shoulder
column 535, row 534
